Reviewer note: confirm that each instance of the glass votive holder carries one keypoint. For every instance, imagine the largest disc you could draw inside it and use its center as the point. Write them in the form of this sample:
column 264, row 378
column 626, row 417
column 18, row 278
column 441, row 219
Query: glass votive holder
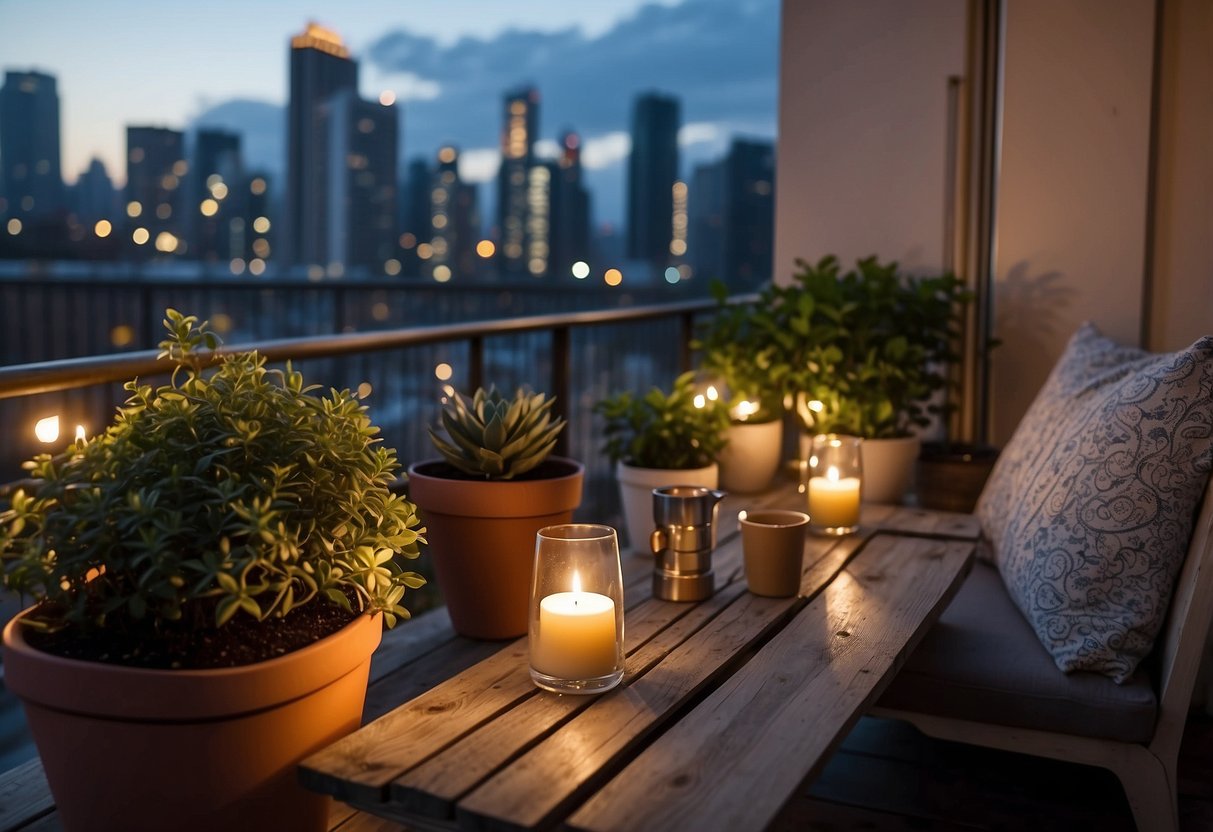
column 576, row 611
column 834, row 483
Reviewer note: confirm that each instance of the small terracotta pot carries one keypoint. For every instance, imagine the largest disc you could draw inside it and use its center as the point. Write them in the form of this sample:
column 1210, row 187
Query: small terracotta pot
column 481, row 535
column 129, row 748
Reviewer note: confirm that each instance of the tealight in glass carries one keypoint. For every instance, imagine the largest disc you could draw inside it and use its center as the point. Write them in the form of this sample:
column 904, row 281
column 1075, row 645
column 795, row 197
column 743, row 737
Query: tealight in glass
column 834, row 483
column 576, row 610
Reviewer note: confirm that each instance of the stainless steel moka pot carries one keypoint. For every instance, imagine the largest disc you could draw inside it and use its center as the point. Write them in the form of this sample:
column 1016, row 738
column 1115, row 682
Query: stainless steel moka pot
column 683, row 542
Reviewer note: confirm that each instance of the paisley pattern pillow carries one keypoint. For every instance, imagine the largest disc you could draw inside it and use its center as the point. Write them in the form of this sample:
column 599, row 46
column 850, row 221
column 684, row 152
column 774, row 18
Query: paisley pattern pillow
column 1090, row 507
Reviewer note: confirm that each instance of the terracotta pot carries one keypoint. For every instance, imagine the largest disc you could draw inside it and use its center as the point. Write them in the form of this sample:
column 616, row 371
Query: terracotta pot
column 750, row 461
column 481, row 535
column 951, row 476
column 636, row 491
column 128, row 748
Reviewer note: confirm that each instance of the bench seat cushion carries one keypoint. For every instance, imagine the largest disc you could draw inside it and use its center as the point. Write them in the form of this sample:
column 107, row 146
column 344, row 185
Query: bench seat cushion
column 982, row 662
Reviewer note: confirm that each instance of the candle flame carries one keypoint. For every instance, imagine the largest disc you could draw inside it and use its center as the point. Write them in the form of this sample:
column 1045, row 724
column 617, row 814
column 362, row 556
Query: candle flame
column 576, row 581
column 832, row 474
column 80, row 434
column 47, row 430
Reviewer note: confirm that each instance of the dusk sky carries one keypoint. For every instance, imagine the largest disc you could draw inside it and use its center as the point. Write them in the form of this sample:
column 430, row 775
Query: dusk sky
column 223, row 63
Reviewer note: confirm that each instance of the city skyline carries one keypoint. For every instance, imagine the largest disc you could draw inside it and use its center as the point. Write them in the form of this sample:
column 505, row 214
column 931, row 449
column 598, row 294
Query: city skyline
column 422, row 61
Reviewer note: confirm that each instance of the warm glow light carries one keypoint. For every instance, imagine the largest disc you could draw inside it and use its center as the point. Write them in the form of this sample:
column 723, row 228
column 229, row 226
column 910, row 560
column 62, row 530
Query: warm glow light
column 133, row 209
column 816, row 406
column 713, row 394
column 221, row 322
column 832, row 474
column 576, row 581
column 237, row 265
column 261, row 225
column 364, row 390
column 164, row 211
column 47, row 430
column 613, row 277
column 678, row 248
column 443, row 371
column 218, row 190
column 166, row 242
column 261, row 248
column 425, row 251
column 407, row 240
column 257, row 186
column 486, row 249
column 209, row 207
column 446, row 155
column 14, row 226
column 380, row 311
column 140, row 236
column 122, row 335
column 581, row 270
column 103, row 228
column 387, row 98
column 391, row 267
column 442, row 273
column 700, row 401
column 80, row 433
column 744, row 410
column 256, row 266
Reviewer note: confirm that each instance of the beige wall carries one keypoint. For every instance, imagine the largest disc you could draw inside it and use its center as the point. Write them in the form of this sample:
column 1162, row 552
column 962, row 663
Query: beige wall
column 1071, row 206
column 1182, row 305
column 862, row 129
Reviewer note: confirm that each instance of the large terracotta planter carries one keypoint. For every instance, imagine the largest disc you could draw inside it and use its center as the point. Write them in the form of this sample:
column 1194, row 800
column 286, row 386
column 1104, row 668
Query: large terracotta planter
column 481, row 535
column 130, row 749
column 750, row 461
column 636, row 492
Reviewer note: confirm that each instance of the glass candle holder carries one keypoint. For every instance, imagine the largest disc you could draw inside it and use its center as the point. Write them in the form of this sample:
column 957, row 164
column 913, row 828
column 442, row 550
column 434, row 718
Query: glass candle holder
column 834, row 483
column 576, row 612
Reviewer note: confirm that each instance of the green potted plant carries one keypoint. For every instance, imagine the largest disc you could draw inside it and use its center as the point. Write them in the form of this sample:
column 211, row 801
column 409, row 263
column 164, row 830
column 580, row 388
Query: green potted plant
column 495, row 486
column 864, row 352
column 210, row 576
column 661, row 439
column 737, row 356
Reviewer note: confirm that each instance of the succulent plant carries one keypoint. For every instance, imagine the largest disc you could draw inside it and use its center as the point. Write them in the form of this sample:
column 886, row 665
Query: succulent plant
column 495, row 437
column 231, row 491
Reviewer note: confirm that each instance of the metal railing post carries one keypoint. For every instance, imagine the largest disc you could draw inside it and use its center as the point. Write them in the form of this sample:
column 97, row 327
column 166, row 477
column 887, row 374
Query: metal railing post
column 560, row 387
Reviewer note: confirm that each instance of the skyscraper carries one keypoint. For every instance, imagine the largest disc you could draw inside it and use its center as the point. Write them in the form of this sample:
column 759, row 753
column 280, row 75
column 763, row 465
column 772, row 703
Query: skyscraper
column 520, row 126
column 360, row 151
column 652, row 172
column 155, row 185
column 705, row 238
column 454, row 219
column 216, row 196
column 31, row 182
column 749, row 212
column 96, row 198
column 570, row 230
column 320, row 67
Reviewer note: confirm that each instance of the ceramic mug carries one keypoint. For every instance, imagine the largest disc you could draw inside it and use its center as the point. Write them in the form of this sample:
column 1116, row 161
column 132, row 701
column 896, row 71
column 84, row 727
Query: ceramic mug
column 772, row 543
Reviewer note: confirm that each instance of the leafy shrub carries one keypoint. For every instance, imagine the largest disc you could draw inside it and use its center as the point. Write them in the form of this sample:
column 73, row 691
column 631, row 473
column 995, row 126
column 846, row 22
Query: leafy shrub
column 664, row 431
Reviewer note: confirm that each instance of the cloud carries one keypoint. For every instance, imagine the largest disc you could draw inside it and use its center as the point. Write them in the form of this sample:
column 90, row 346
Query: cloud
column 606, row 150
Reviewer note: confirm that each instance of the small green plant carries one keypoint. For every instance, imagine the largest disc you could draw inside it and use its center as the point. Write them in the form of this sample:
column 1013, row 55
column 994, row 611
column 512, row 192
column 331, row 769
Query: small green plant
column 491, row 436
column 233, row 491
column 860, row 352
column 681, row 430
column 740, row 352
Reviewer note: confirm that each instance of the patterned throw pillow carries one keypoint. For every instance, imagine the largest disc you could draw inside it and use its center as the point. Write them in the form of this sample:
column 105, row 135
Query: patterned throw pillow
column 1090, row 507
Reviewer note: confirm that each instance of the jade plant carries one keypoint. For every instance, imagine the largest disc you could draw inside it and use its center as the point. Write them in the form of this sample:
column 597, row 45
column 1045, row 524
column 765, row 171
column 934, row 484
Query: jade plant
column 491, row 436
column 233, row 490
column 682, row 429
column 863, row 352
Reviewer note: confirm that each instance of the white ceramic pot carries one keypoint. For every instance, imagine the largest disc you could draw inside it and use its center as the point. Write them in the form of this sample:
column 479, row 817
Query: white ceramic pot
column 750, row 460
column 636, row 490
column 888, row 468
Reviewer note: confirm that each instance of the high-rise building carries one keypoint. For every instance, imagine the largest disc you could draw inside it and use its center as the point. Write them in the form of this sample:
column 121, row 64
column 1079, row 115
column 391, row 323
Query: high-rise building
column 540, row 179
column 31, row 182
column 519, row 130
column 415, row 219
column 95, row 197
column 652, row 172
column 705, row 238
column 361, row 147
column 749, row 212
column 454, row 220
column 320, row 66
column 216, row 196
column 570, row 232
column 252, row 234
column 155, row 187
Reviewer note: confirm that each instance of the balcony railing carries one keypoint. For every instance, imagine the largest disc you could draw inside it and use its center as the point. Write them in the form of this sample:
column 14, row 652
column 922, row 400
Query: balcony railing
column 579, row 357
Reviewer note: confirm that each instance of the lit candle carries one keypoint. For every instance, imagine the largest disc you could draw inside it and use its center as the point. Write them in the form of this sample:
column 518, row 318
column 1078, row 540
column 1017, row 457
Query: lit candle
column 576, row 638
column 834, row 501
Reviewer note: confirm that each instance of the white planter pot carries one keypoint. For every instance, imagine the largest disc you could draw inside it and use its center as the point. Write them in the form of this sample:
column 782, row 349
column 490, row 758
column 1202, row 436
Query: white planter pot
column 888, row 468
column 750, row 460
column 636, row 490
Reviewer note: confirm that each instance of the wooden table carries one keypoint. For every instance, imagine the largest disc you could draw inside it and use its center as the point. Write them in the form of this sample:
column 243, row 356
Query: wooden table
column 727, row 705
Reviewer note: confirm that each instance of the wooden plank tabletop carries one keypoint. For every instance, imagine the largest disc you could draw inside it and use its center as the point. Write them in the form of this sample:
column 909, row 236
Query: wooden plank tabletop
column 486, row 749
